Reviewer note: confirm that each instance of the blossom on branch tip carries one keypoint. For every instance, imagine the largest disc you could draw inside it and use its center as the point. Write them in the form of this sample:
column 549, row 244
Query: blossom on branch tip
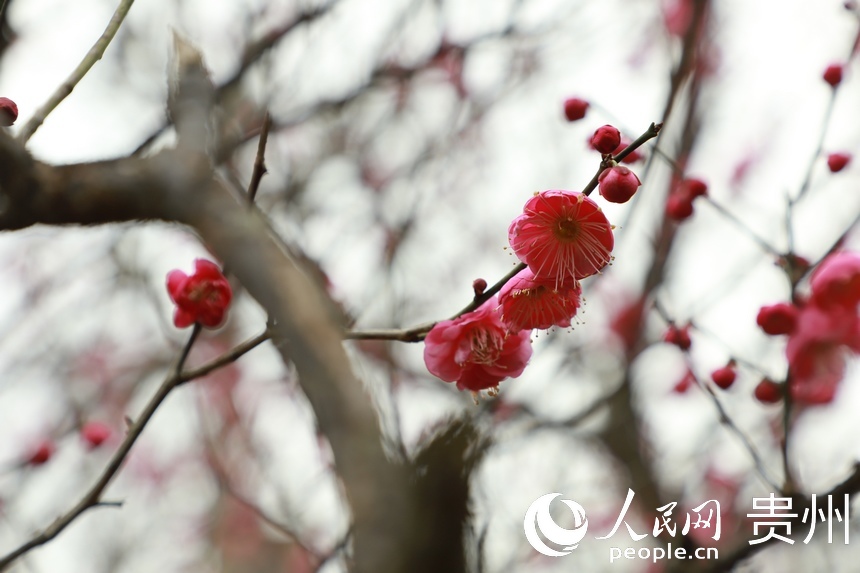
column 201, row 297
column 562, row 235
column 528, row 302
column 833, row 75
column 475, row 350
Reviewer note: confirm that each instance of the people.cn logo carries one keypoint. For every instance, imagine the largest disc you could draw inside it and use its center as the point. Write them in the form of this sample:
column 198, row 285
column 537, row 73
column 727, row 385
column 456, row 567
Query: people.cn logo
column 538, row 517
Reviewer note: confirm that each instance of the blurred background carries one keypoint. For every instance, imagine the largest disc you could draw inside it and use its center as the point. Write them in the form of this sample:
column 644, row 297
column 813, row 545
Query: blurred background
column 407, row 134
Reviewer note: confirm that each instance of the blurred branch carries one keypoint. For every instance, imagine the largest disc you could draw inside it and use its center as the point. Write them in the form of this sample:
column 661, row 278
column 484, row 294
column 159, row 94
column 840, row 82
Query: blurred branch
column 225, row 359
column 95, row 54
column 825, row 125
column 253, row 52
column 179, row 185
column 624, row 432
column 93, row 497
column 224, row 482
column 417, row 333
column 726, row 421
column 260, row 160
column 742, row 226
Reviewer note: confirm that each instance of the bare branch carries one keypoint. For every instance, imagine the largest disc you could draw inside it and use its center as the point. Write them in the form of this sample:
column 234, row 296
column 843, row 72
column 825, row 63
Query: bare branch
column 260, row 160
column 95, row 54
column 93, row 496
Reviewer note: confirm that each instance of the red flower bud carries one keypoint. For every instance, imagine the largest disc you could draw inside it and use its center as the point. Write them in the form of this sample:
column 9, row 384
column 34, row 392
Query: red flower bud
column 768, row 392
column 833, row 74
column 606, row 139
column 778, row 318
column 95, row 434
column 679, row 206
column 618, row 184
column 724, row 377
column 479, row 286
column 693, row 187
column 43, row 452
column 684, row 383
column 836, row 162
column 8, row 112
column 680, row 337
column 575, row 108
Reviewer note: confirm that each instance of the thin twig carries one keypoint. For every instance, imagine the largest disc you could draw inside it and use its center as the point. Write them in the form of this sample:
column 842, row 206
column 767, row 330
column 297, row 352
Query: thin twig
column 93, row 497
column 260, row 160
column 742, row 226
column 724, row 417
column 790, row 483
column 226, row 358
column 418, row 333
column 95, row 54
column 252, row 53
column 745, row 440
column 652, row 132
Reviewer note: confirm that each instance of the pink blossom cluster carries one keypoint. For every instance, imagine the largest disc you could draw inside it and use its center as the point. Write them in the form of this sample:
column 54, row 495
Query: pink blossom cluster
column 823, row 329
column 561, row 237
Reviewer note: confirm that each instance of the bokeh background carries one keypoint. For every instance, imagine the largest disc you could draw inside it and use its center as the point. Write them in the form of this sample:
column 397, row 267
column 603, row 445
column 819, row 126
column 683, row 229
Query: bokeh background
column 407, row 135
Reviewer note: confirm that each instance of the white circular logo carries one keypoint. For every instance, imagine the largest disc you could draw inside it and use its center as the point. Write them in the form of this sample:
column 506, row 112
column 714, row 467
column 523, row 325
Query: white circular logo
column 538, row 516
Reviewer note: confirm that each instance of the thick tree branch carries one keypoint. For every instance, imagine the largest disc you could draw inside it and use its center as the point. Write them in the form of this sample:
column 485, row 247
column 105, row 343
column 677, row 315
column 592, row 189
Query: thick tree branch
column 179, row 186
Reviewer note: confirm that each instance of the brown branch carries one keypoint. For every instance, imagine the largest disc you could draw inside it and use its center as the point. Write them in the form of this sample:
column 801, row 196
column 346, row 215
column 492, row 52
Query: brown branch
column 418, row 333
column 652, row 132
column 253, row 52
column 225, row 359
column 260, row 160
